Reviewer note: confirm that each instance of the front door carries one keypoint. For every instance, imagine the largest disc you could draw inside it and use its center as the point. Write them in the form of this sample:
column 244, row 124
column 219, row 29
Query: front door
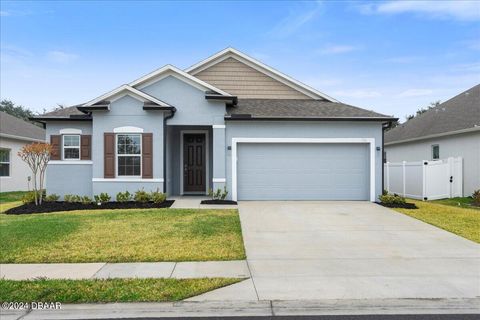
column 194, row 159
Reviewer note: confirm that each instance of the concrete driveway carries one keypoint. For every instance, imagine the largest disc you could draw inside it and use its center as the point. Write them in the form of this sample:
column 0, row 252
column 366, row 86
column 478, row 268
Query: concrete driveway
column 351, row 250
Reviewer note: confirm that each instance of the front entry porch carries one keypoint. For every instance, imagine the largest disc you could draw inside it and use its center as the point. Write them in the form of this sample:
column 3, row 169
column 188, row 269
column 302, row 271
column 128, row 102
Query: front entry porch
column 189, row 160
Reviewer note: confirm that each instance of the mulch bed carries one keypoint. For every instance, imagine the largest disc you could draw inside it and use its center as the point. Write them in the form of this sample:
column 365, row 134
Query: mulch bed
column 218, row 202
column 404, row 206
column 69, row 206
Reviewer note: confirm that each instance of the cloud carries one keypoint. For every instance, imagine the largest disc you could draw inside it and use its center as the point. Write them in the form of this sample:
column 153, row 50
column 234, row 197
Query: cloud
column 61, row 57
column 358, row 93
column 415, row 93
column 457, row 10
column 296, row 20
column 337, row 49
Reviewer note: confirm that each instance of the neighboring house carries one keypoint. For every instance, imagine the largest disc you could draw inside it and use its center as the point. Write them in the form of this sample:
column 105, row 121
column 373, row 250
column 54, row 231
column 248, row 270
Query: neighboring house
column 14, row 134
column 228, row 121
column 451, row 129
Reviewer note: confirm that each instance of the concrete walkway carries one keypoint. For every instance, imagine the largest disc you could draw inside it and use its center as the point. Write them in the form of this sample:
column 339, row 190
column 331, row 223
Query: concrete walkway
column 193, row 202
column 267, row 308
column 177, row 270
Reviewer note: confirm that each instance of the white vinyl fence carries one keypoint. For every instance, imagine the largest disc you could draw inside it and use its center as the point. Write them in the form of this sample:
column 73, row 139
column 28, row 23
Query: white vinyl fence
column 425, row 180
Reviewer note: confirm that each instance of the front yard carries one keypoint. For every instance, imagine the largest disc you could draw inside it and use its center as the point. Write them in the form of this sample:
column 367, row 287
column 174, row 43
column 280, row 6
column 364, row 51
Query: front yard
column 121, row 236
column 462, row 221
column 111, row 290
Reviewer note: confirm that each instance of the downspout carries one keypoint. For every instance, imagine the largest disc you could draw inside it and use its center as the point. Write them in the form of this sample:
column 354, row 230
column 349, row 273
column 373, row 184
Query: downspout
column 172, row 113
column 384, row 127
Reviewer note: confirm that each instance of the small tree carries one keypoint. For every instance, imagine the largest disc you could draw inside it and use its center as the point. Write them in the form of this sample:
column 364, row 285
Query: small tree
column 37, row 155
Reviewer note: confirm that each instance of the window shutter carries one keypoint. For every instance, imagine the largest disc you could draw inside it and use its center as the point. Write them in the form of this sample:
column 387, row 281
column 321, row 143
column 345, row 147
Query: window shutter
column 147, row 155
column 55, row 142
column 86, row 147
column 108, row 155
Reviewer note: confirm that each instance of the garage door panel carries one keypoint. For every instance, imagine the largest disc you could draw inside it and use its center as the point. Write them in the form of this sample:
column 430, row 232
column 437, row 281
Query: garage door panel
column 303, row 172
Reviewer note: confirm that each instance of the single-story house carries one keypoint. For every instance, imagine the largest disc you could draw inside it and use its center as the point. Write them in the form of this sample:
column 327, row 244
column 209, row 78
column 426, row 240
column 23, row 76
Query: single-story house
column 228, row 121
column 451, row 129
column 15, row 174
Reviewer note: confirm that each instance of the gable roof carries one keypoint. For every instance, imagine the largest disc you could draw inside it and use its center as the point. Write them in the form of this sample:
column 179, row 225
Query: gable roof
column 295, row 109
column 182, row 75
column 13, row 127
column 259, row 66
column 129, row 89
column 459, row 114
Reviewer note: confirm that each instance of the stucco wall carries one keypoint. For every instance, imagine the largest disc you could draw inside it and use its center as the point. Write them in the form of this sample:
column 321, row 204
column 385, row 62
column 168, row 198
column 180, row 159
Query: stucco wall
column 465, row 145
column 65, row 179
column 19, row 170
column 126, row 111
column 309, row 129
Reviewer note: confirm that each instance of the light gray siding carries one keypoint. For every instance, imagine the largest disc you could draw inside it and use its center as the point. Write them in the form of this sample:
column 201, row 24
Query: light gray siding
column 307, row 129
column 65, row 179
column 465, row 145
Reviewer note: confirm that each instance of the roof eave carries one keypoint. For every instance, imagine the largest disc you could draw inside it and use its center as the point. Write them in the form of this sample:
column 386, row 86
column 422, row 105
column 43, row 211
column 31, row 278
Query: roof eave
column 246, row 117
column 432, row 136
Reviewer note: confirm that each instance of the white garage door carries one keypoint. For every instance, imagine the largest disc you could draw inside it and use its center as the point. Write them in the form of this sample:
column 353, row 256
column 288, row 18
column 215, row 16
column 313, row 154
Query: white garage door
column 303, row 171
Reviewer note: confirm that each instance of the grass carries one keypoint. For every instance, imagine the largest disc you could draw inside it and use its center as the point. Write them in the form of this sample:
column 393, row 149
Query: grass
column 461, row 221
column 4, row 206
column 11, row 196
column 133, row 235
column 462, row 202
column 110, row 290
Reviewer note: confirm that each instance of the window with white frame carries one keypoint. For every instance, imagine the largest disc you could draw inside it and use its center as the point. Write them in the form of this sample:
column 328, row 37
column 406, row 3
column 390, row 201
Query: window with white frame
column 129, row 154
column 435, row 152
column 4, row 162
column 71, row 147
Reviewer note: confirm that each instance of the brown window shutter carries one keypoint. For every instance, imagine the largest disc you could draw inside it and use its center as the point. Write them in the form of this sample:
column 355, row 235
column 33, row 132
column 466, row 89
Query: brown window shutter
column 55, row 142
column 147, row 155
column 86, row 147
column 108, row 155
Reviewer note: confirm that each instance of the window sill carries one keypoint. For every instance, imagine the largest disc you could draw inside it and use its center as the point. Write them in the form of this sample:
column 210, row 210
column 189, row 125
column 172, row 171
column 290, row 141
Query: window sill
column 54, row 162
column 126, row 180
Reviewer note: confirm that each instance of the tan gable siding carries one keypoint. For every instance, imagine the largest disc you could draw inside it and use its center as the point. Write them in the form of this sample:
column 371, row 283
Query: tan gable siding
column 243, row 81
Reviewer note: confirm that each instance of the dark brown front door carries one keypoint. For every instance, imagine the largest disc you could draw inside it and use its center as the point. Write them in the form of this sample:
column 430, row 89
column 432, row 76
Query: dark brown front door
column 194, row 162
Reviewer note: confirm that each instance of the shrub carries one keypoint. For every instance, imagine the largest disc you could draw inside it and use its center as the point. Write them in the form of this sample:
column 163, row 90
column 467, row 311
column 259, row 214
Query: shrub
column 124, row 196
column 52, row 197
column 86, row 200
column 392, row 200
column 219, row 194
column 102, row 197
column 142, row 196
column 72, row 198
column 158, row 197
column 476, row 197
column 29, row 197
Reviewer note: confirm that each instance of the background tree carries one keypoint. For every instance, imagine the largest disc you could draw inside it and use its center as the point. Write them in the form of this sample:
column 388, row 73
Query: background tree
column 18, row 111
column 37, row 155
column 422, row 110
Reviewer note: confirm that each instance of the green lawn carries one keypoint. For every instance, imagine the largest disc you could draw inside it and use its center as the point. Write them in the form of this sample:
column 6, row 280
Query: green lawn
column 111, row 290
column 11, row 196
column 462, row 221
column 121, row 236
column 462, row 202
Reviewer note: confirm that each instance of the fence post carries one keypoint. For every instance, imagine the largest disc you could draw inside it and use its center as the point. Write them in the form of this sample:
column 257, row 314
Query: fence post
column 450, row 176
column 424, row 176
column 388, row 177
column 404, row 176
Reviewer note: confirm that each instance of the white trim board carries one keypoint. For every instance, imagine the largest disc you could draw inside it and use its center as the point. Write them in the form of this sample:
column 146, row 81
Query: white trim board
column 207, row 159
column 127, row 129
column 180, row 74
column 75, row 162
column 370, row 141
column 261, row 67
column 133, row 92
column 127, row 180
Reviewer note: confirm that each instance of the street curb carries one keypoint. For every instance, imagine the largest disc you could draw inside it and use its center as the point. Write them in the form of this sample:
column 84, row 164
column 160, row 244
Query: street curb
column 251, row 308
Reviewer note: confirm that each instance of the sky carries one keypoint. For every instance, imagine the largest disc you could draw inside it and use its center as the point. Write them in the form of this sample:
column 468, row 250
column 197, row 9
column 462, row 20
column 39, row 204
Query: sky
column 392, row 57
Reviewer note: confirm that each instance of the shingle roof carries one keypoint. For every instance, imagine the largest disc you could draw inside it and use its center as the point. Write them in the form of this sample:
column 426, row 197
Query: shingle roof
column 293, row 108
column 64, row 112
column 458, row 113
column 12, row 126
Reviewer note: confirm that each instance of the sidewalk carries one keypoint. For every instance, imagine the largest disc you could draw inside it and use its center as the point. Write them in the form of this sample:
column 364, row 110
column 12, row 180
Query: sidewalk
column 250, row 308
column 177, row 270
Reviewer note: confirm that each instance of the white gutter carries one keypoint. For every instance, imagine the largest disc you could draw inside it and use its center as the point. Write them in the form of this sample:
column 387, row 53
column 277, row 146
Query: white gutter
column 11, row 136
